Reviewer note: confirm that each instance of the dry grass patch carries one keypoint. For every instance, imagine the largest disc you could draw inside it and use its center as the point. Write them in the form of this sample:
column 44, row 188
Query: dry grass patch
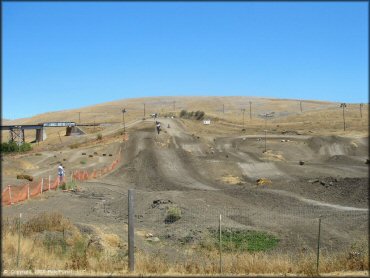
column 230, row 179
column 275, row 156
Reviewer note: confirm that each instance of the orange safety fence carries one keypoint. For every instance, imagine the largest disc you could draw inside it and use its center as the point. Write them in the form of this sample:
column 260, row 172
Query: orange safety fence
column 15, row 194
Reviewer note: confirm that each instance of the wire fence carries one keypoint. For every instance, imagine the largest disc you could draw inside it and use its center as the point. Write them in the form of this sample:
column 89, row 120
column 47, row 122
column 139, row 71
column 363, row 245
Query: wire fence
column 236, row 239
column 199, row 238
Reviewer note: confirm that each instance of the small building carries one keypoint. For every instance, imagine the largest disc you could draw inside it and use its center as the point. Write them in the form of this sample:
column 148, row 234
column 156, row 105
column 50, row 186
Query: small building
column 206, row 122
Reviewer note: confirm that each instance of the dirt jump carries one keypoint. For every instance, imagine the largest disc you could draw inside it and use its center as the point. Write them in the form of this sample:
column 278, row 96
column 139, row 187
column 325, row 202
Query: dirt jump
column 278, row 185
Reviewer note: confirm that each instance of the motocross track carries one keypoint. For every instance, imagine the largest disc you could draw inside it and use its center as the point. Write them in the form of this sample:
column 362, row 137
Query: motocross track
column 207, row 176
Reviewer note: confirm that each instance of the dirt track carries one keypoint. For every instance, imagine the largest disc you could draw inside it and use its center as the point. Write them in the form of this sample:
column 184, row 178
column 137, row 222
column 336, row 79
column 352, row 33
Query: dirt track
column 190, row 171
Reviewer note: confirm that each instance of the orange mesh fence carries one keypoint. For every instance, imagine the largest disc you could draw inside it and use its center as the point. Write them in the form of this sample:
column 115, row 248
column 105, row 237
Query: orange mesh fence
column 15, row 194
column 5, row 196
column 54, row 184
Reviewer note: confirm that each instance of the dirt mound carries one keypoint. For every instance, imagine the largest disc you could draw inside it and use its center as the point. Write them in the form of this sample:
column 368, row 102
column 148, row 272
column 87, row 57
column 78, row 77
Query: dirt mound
column 345, row 159
column 334, row 145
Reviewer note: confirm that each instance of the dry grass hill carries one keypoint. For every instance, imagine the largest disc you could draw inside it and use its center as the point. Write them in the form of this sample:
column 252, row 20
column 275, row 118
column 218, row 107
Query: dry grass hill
column 317, row 117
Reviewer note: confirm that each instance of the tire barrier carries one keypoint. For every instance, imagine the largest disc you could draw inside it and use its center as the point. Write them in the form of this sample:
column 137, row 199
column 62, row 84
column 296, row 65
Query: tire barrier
column 15, row 194
column 82, row 175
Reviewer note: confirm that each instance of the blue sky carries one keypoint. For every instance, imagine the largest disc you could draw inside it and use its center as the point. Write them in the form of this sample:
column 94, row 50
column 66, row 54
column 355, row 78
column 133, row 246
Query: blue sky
column 65, row 55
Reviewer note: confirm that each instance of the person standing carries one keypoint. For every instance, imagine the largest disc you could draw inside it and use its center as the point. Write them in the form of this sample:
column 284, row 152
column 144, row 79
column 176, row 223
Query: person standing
column 158, row 127
column 61, row 173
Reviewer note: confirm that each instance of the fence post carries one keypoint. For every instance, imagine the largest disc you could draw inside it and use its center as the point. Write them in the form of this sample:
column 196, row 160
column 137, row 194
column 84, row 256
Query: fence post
column 28, row 191
column 19, row 237
column 42, row 184
column 131, row 229
column 49, row 182
column 10, row 194
column 318, row 247
column 220, row 247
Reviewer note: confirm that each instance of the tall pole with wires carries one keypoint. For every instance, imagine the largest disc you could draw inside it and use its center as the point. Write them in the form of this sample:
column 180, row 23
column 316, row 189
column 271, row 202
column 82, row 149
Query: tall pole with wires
column 343, row 105
column 250, row 110
column 243, row 110
column 123, row 119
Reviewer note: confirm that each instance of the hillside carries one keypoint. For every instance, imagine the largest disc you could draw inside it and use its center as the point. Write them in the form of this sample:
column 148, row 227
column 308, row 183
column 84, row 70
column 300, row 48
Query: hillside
column 316, row 116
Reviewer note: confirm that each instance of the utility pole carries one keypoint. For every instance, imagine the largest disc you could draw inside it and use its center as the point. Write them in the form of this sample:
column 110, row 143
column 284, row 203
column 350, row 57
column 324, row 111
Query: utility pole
column 266, row 121
column 123, row 119
column 79, row 117
column 265, row 139
column 144, row 110
column 243, row 110
column 343, row 105
column 361, row 104
column 223, row 108
column 250, row 110
column 300, row 105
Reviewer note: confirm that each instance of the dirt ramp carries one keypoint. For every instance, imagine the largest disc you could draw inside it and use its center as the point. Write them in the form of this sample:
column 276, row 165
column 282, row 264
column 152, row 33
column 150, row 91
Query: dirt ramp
column 257, row 170
column 336, row 145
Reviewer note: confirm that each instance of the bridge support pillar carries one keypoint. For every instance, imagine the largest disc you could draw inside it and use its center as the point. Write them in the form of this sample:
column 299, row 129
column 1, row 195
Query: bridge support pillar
column 17, row 134
column 40, row 135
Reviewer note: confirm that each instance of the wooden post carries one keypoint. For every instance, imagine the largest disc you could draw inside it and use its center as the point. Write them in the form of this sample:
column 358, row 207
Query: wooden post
column 318, row 247
column 220, row 243
column 19, row 237
column 42, row 184
column 131, row 231
column 49, row 182
column 28, row 191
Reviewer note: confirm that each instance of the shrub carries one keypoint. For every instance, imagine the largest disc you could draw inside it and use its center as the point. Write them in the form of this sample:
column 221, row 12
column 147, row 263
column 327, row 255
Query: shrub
column 46, row 222
column 198, row 115
column 24, row 177
column 68, row 185
column 173, row 214
column 99, row 136
column 183, row 113
column 245, row 240
column 14, row 147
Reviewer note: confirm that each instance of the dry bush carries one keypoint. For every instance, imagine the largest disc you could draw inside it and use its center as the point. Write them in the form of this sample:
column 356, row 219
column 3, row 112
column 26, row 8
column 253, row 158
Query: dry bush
column 47, row 222
column 41, row 248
